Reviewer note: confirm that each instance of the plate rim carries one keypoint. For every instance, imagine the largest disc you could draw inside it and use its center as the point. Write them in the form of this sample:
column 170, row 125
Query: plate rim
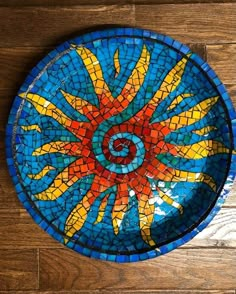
column 109, row 33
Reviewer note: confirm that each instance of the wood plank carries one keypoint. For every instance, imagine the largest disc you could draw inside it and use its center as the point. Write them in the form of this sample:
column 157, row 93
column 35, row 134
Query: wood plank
column 43, row 26
column 110, row 291
column 18, row 269
column 157, row 2
column 221, row 232
column 8, row 197
column 190, row 23
column 63, row 3
column 200, row 23
column 223, row 59
column 22, row 231
column 148, row 2
column 23, row 3
column 181, row 269
column 6, row 100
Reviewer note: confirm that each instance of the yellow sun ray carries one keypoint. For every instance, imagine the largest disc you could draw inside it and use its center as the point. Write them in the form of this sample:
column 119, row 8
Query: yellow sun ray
column 169, row 84
column 80, row 105
column 178, row 99
column 146, row 207
column 190, row 116
column 185, row 176
column 59, row 186
column 201, row 149
column 146, row 210
column 45, row 107
column 101, row 209
column 32, row 128
column 120, row 206
column 117, row 62
column 204, row 130
column 136, row 78
column 42, row 173
column 171, row 81
column 58, row 146
column 94, row 70
column 170, row 201
column 65, row 179
column 78, row 215
column 132, row 85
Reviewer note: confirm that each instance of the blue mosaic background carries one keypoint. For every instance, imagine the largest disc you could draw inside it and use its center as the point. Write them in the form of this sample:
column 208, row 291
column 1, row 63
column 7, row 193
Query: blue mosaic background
column 68, row 72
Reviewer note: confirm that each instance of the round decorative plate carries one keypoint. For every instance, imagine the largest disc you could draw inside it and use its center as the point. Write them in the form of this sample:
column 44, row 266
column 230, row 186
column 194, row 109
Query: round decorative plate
column 120, row 144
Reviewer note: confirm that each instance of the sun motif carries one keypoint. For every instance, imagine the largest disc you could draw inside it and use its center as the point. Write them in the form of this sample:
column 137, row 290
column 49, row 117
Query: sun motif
column 123, row 154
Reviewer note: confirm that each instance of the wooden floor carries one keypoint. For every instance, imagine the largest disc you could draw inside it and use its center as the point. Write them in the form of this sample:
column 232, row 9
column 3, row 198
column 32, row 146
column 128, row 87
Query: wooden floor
column 30, row 260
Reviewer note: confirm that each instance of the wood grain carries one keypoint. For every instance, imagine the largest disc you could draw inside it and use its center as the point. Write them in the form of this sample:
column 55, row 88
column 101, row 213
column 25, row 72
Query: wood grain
column 8, row 197
column 64, row 3
column 18, row 270
column 6, row 100
column 125, row 292
column 198, row 23
column 27, row 26
column 182, row 269
column 223, row 59
column 179, row 1
column 201, row 24
column 61, row 3
column 22, row 231
column 221, row 232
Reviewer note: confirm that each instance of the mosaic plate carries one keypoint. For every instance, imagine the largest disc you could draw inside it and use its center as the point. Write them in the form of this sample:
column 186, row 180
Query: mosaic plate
column 120, row 143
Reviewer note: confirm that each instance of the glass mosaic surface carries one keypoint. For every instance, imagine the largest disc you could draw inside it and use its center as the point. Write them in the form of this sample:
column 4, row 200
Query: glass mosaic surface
column 120, row 144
